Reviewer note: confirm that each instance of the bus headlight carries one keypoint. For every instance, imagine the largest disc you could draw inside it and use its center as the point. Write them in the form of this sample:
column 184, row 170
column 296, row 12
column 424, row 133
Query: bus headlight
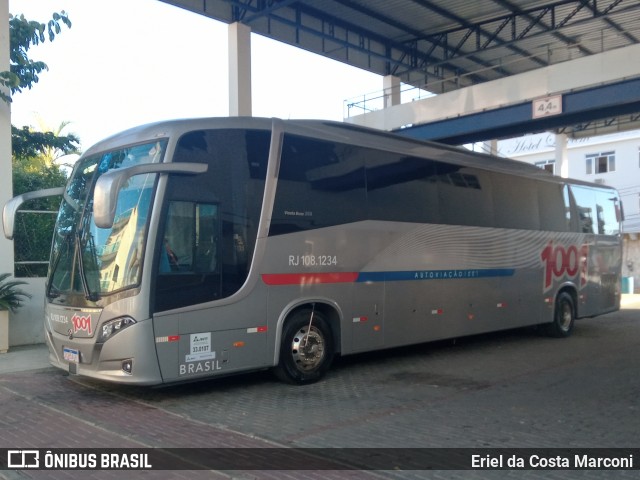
column 112, row 327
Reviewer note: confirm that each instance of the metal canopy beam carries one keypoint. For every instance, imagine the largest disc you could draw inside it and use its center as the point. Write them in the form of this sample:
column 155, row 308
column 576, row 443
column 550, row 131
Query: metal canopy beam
column 512, row 99
column 579, row 108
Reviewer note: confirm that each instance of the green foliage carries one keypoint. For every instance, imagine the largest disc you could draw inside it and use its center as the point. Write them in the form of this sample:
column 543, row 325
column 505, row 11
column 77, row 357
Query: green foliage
column 24, row 34
column 11, row 297
column 26, row 143
column 33, row 231
column 33, row 152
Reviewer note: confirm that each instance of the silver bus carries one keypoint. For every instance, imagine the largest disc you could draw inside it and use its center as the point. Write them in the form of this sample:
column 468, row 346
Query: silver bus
column 194, row 248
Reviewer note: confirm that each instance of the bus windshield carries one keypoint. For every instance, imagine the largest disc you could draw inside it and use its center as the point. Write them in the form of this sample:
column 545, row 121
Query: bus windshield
column 93, row 261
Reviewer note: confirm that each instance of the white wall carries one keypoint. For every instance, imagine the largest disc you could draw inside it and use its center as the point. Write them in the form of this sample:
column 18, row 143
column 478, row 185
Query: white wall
column 26, row 326
column 6, row 246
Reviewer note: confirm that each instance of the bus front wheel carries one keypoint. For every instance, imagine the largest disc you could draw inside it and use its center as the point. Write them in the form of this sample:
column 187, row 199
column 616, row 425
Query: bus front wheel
column 563, row 318
column 306, row 350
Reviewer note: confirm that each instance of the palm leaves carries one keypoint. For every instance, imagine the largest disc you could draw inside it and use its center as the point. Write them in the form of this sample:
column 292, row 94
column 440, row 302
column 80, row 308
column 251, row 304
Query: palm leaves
column 11, row 296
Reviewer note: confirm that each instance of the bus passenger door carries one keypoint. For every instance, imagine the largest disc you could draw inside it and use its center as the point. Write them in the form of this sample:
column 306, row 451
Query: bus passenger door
column 189, row 265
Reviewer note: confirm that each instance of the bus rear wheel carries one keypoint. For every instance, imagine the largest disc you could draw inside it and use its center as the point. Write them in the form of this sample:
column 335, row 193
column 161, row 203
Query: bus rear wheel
column 563, row 318
column 306, row 350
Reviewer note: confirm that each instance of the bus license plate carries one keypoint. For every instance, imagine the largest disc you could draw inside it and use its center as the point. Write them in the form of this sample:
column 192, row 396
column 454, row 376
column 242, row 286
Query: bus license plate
column 71, row 355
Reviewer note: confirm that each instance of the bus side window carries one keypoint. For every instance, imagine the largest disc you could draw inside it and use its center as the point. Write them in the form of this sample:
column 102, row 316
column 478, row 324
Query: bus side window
column 206, row 240
column 585, row 208
column 609, row 212
column 190, row 238
column 554, row 207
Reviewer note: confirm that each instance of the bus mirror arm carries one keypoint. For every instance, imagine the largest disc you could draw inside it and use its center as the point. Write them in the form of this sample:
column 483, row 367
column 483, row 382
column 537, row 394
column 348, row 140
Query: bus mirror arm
column 11, row 207
column 105, row 197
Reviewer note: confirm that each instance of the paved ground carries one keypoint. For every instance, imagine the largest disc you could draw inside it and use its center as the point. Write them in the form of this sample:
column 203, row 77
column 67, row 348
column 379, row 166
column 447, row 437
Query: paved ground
column 511, row 389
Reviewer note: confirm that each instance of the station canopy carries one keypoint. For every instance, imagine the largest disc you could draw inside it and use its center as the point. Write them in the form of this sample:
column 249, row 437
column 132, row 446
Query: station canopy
column 438, row 45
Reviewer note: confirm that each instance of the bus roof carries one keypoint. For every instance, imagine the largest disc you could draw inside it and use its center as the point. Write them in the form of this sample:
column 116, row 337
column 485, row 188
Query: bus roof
column 337, row 132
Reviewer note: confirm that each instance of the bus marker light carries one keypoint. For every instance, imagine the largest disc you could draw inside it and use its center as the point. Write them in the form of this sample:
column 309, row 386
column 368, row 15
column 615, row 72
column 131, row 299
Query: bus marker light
column 437, row 311
column 502, row 305
column 238, row 344
column 170, row 338
column 260, row 329
column 471, row 316
column 377, row 328
column 359, row 319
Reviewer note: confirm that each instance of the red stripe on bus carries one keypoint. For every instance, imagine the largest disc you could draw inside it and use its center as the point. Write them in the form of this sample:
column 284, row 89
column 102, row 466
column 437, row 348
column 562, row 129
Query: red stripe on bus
column 308, row 278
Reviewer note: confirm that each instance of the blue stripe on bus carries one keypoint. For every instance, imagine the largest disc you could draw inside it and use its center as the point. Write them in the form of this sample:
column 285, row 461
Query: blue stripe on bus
column 456, row 274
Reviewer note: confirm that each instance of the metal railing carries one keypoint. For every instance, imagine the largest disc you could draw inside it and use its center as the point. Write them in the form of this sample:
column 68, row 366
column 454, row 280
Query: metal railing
column 32, row 242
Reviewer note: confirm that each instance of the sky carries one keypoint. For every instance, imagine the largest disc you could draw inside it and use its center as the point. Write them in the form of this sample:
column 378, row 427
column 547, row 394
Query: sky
column 125, row 63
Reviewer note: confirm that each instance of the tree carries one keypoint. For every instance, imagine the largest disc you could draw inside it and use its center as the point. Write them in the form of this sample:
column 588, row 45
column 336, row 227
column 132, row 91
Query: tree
column 34, row 152
column 24, row 73
column 23, row 34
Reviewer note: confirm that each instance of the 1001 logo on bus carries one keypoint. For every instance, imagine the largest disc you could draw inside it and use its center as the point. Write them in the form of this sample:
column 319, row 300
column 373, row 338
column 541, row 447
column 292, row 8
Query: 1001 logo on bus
column 564, row 262
column 81, row 323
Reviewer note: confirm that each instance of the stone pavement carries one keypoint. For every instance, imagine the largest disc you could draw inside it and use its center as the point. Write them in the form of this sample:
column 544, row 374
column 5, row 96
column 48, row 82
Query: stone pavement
column 510, row 389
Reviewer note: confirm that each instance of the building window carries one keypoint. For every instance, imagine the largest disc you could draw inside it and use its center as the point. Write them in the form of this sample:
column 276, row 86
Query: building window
column 601, row 162
column 548, row 165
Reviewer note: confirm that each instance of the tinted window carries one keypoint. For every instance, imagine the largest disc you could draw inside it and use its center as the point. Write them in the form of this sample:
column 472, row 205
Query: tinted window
column 401, row 189
column 608, row 210
column 324, row 183
column 585, row 212
column 191, row 238
column 554, row 207
column 210, row 221
column 320, row 184
column 464, row 196
column 597, row 211
column 516, row 202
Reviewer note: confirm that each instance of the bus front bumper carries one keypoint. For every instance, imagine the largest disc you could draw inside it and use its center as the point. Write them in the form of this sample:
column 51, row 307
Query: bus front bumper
column 129, row 357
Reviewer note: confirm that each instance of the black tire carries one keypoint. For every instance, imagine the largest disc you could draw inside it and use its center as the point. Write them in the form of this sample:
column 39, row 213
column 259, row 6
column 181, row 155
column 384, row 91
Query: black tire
column 305, row 354
column 563, row 317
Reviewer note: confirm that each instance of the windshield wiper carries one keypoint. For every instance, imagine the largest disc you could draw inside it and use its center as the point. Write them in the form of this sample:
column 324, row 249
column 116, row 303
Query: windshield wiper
column 51, row 294
column 89, row 295
column 54, row 267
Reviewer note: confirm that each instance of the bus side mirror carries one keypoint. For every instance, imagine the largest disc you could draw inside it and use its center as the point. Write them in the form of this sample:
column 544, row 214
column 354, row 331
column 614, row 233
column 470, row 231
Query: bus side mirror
column 105, row 196
column 11, row 207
